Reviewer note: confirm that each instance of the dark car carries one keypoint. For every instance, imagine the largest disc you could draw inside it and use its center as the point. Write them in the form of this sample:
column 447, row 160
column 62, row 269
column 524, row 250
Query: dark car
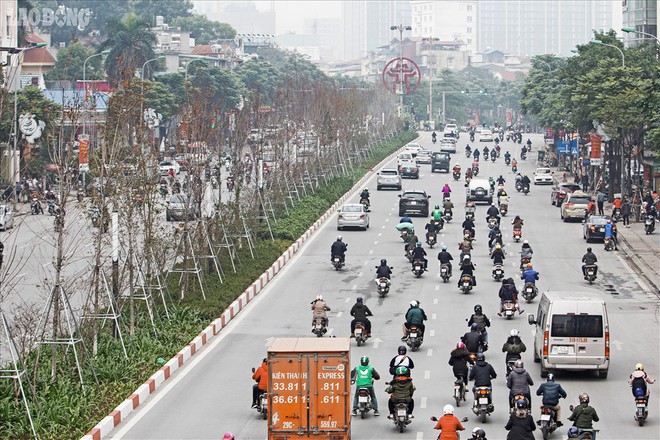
column 440, row 162
column 414, row 202
column 594, row 227
column 559, row 192
column 409, row 170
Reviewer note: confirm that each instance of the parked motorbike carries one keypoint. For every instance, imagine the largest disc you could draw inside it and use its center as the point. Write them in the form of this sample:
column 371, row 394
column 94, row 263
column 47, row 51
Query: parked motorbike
column 414, row 339
column 319, row 327
column 649, row 224
column 548, row 421
column 466, row 283
column 498, row 272
column 591, row 273
column 529, row 292
column 418, row 268
column 509, row 309
column 444, row 272
column 337, row 262
column 482, row 406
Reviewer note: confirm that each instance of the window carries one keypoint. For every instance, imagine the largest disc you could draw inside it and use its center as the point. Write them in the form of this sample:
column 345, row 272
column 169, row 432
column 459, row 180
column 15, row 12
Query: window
column 577, row 326
column 469, row 30
column 469, row 19
column 469, row 7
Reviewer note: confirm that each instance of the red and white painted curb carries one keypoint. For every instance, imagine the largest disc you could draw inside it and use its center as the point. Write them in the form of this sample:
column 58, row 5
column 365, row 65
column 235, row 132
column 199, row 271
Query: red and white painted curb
column 139, row 396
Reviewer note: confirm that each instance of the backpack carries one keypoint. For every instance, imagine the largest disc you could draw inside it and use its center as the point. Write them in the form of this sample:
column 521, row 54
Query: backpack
column 515, row 348
column 639, row 387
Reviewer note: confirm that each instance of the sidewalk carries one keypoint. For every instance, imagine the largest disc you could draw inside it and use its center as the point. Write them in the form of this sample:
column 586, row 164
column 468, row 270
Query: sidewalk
column 643, row 252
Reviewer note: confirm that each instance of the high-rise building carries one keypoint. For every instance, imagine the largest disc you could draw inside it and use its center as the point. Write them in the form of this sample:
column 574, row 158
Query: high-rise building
column 330, row 37
column 446, row 20
column 527, row 28
column 243, row 16
column 641, row 15
column 367, row 24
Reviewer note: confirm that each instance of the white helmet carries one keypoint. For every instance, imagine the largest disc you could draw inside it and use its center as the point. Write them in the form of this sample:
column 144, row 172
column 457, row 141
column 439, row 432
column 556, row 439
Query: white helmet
column 525, row 241
column 319, row 298
column 448, row 409
column 413, row 303
column 514, row 332
column 457, row 164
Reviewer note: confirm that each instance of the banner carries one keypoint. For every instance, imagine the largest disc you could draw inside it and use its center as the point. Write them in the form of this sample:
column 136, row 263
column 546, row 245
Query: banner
column 83, row 154
column 596, row 153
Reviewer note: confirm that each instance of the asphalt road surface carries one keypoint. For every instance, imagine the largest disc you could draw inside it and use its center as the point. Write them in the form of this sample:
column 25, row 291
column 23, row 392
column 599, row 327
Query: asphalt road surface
column 212, row 394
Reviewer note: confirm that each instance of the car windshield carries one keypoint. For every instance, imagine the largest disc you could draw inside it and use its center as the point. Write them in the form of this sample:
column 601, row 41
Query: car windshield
column 165, row 164
column 598, row 220
column 3, row 210
column 352, row 208
column 388, row 173
column 579, row 200
column 570, row 187
column 441, row 156
column 543, row 171
column 404, row 156
column 414, row 196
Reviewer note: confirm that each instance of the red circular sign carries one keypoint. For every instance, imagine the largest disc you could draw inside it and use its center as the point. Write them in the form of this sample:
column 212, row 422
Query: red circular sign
column 404, row 72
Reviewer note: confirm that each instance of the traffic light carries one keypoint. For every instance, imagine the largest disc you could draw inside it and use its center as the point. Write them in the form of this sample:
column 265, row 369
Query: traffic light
column 212, row 122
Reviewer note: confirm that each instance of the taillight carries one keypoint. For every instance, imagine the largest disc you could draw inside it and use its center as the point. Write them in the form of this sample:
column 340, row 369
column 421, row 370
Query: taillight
column 569, row 204
column 362, row 216
column 340, row 215
column 483, row 392
column 545, row 343
column 607, row 344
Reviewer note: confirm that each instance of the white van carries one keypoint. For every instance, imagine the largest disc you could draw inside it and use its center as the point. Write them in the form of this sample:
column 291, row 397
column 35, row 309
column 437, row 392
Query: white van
column 572, row 333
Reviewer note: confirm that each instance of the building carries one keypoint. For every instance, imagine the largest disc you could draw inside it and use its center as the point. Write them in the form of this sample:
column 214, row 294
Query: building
column 170, row 39
column 528, row 28
column 35, row 63
column 446, row 20
column 242, row 15
column 641, row 15
column 367, row 24
column 330, row 37
column 307, row 45
column 9, row 38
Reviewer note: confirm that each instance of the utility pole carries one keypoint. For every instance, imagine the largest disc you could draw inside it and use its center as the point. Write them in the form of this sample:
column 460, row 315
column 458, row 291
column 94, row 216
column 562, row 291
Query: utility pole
column 401, row 28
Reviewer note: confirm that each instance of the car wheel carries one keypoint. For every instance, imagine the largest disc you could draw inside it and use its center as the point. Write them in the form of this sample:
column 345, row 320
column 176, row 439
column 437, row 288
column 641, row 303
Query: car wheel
column 378, row 188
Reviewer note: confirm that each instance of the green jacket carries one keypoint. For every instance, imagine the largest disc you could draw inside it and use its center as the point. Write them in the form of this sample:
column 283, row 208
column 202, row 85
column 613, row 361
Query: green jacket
column 364, row 375
column 436, row 214
column 583, row 416
column 401, row 389
column 415, row 315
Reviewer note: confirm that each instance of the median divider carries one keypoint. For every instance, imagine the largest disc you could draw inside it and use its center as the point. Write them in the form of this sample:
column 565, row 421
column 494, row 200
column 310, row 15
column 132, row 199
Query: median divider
column 141, row 394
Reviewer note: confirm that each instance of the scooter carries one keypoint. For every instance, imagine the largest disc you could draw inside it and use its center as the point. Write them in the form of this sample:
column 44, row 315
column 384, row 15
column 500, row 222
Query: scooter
column 319, row 327
column 414, row 339
column 504, row 208
column 459, row 391
column 482, row 403
column 444, row 272
column 36, row 207
column 383, row 286
column 405, row 235
column 609, row 244
column 431, row 238
column 418, row 268
column 509, row 309
column 457, row 175
column 525, row 189
column 337, row 262
column 498, row 272
column 364, row 401
column 447, row 215
column 642, row 409
column 360, row 333
column 514, row 168
column 466, row 283
column 366, row 204
column 591, row 273
column 475, row 171
column 548, row 421
column 401, row 416
column 517, row 235
column 649, row 224
column 529, row 292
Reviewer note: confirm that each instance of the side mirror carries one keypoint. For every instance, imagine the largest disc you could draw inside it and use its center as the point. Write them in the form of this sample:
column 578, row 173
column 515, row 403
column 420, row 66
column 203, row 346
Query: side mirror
column 531, row 320
column 253, row 369
column 428, row 197
column 434, row 419
column 571, row 407
column 399, row 195
column 464, row 419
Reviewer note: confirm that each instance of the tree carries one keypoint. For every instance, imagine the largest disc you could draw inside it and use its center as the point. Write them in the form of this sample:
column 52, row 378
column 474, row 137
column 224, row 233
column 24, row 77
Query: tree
column 70, row 61
column 204, row 30
column 260, row 79
column 131, row 43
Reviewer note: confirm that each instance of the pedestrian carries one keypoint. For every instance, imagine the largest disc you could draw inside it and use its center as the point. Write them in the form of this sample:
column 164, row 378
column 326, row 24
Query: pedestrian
column 626, row 210
column 600, row 201
column 585, row 182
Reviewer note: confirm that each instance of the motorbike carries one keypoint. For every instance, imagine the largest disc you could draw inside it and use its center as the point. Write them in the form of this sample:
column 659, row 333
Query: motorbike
column 467, row 153
column 434, row 140
column 529, row 292
column 364, row 402
column 447, row 215
column 475, row 171
column 214, row 182
column 492, row 222
column 365, row 203
column 319, row 327
column 444, row 272
column 418, row 268
column 609, row 244
column 482, row 403
column 642, row 410
column 583, row 434
column 616, row 215
column 471, row 138
column 510, row 363
column 498, row 272
column 649, row 224
column 517, row 235
column 401, row 417
column 409, row 254
column 163, row 190
column 337, row 262
column 507, row 161
column 95, row 216
column 35, row 207
column 523, row 263
column 466, row 283
column 469, row 215
column 514, row 168
column 383, row 286
column 361, row 335
column 405, row 234
column 548, row 421
column 509, row 309
column 457, row 175
column 52, row 206
column 493, row 157
column 525, row 189
column 79, row 195
column 504, row 208
column 414, row 339
column 431, row 238
column 459, row 391
column 591, row 273
column 523, row 156
column 230, row 184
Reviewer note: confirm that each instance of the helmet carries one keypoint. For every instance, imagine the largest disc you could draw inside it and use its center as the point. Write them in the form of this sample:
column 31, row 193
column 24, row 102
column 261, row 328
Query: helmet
column 419, row 244
column 529, row 265
column 498, row 246
column 609, row 221
column 413, row 303
column 457, row 164
column 477, row 309
column 550, row 378
column 437, row 206
column 402, row 349
column 364, row 360
column 401, row 371
column 513, row 333
column 639, row 367
column 481, row 357
column 521, row 404
column 573, row 432
column 228, row 436
column 383, row 261
column 444, row 248
column 525, row 241
column 474, row 327
column 584, row 398
column 460, row 345
column 319, row 297
column 339, row 238
column 359, row 299
column 588, row 249
column 519, row 364
column 448, row 409
column 478, row 433
column 366, row 189
column 503, row 193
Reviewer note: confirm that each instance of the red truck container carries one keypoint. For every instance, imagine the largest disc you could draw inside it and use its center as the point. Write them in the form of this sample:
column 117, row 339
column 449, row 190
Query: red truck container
column 309, row 389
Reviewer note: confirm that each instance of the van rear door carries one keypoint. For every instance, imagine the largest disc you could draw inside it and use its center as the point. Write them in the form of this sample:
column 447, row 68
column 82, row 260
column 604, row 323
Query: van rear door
column 590, row 338
column 577, row 338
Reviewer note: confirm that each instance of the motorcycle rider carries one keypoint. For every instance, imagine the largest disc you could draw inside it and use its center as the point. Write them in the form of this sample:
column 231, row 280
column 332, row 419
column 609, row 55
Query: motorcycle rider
column 501, row 180
column 401, row 389
column 521, row 424
column 493, row 153
column 419, row 253
column 260, row 376
column 495, row 237
column 523, row 152
column 482, row 373
column 360, row 313
column 513, row 347
column 468, row 225
column 638, row 380
column 447, row 207
column 434, row 136
column 518, row 223
column 468, row 150
column 364, row 195
column 526, row 251
column 363, row 376
column 411, row 243
column 486, row 153
column 584, row 415
column 610, row 232
column 401, row 360
column 467, row 268
column 448, row 424
column 481, row 320
column 436, row 214
column 525, row 182
column 498, row 255
column 414, row 316
column 319, row 309
column 530, row 275
column 508, row 292
column 383, row 271
column 474, row 340
column 589, row 259
column 457, row 168
column 445, row 258
column 503, row 199
column 519, row 382
column 465, row 247
column 507, row 156
column 338, row 248
column 493, row 212
column 432, row 227
column 551, row 392
column 458, row 359
column 478, row 434
column 476, row 154
column 446, row 191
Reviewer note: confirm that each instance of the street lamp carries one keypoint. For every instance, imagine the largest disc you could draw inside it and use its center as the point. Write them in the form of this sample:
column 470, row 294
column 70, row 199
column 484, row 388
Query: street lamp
column 401, row 28
column 105, row 52
column 646, row 34
column 623, row 57
column 142, row 72
column 431, row 40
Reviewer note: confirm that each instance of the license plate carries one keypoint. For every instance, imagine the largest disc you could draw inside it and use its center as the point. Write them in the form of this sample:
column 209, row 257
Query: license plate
column 457, row 391
column 383, row 284
column 498, row 272
column 641, row 405
column 601, row 229
column 545, row 416
column 413, row 203
column 508, row 312
column 401, row 413
column 413, row 335
column 358, row 331
column 336, row 260
column 560, row 349
column 363, row 399
column 417, row 267
column 483, row 401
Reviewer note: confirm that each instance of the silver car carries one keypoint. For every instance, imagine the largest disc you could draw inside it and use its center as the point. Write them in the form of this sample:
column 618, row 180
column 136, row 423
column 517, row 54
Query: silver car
column 424, row 156
column 6, row 217
column 352, row 215
column 180, row 207
column 388, row 178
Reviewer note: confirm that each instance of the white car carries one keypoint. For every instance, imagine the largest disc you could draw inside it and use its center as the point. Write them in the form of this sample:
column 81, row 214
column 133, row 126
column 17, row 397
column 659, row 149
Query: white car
column 543, row 176
column 448, row 146
column 423, row 156
column 412, row 149
column 486, row 136
column 406, row 156
column 6, row 217
column 352, row 215
column 166, row 165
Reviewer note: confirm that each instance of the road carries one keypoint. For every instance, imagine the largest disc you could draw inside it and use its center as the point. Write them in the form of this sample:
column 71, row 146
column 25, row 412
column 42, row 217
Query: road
column 212, row 394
